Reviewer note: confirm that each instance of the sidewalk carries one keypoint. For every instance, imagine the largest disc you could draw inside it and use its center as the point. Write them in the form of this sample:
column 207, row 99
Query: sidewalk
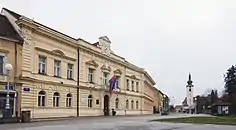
column 84, row 117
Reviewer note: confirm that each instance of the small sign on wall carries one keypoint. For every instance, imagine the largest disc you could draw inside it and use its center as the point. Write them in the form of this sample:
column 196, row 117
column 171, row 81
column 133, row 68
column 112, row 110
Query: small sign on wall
column 26, row 89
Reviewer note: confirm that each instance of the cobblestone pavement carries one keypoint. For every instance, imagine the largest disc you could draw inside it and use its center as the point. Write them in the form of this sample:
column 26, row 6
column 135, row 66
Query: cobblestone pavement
column 114, row 123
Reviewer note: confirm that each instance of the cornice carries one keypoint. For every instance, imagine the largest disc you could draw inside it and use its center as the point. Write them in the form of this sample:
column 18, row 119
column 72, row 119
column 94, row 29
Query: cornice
column 46, row 82
column 132, row 77
column 56, row 53
column 149, row 77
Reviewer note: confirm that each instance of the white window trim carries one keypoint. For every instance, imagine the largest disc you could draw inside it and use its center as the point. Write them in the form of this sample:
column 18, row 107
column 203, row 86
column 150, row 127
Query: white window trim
column 132, row 85
column 4, row 61
column 55, row 98
column 137, row 86
column 105, row 79
column 68, row 101
column 127, row 104
column 40, row 104
column 70, row 71
column 90, row 74
column 40, row 66
column 90, row 102
column 56, row 67
column 127, row 84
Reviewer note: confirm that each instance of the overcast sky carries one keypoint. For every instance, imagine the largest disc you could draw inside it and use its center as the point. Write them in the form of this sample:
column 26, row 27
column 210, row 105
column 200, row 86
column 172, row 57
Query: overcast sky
column 169, row 38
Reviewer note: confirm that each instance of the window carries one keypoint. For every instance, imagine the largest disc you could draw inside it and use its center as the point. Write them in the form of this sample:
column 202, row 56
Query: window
column 117, row 103
column 1, row 64
column 132, row 104
column 136, row 104
column 68, row 100
column 56, row 97
column 189, row 89
column 41, row 98
column 127, row 104
column 90, row 101
column 97, row 102
column 132, row 85
column 117, row 81
column 127, row 84
column 90, row 75
column 42, row 65
column 57, row 65
column 137, row 86
column 105, row 78
column 70, row 71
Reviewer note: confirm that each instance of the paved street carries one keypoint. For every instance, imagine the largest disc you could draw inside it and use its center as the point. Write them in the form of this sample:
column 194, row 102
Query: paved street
column 113, row 123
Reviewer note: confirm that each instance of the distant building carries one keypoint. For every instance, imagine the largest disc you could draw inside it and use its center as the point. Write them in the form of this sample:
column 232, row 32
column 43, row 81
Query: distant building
column 189, row 101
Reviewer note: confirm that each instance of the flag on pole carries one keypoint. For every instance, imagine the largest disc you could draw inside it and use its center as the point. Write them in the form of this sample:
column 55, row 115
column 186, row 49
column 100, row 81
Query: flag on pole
column 112, row 83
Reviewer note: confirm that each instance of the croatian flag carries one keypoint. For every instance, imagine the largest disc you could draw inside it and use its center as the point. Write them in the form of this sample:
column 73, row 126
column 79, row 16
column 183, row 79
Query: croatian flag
column 113, row 83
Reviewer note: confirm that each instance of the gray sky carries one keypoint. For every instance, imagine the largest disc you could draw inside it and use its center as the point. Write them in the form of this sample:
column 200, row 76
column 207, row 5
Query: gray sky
column 169, row 38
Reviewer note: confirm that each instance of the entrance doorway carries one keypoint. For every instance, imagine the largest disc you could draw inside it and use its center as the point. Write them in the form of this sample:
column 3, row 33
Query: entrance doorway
column 106, row 105
column 12, row 103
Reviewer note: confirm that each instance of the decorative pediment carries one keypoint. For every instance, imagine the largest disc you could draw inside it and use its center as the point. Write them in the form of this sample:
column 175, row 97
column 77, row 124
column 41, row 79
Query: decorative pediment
column 118, row 71
column 92, row 63
column 105, row 67
column 55, row 52
column 133, row 76
column 105, row 38
column 58, row 52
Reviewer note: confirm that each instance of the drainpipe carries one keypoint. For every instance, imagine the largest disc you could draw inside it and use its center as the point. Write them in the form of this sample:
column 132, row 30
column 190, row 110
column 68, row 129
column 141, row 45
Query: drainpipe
column 15, row 78
column 78, row 52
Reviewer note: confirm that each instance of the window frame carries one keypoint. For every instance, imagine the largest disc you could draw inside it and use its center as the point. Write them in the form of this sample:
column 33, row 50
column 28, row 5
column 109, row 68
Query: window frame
column 117, row 103
column 70, row 71
column 69, row 100
column 57, row 68
column 90, row 101
column 105, row 78
column 41, row 97
column 132, row 104
column 137, row 105
column 3, row 63
column 90, row 75
column 137, row 86
column 127, row 104
column 132, row 85
column 56, row 99
column 41, row 64
column 127, row 84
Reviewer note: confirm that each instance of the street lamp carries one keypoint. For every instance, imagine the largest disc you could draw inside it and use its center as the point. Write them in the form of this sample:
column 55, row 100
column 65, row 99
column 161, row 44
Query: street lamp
column 8, row 68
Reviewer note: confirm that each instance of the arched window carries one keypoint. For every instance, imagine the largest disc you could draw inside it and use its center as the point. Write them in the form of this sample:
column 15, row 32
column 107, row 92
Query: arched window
column 56, row 98
column 132, row 104
column 127, row 104
column 41, row 98
column 117, row 103
column 90, row 101
column 68, row 100
column 136, row 104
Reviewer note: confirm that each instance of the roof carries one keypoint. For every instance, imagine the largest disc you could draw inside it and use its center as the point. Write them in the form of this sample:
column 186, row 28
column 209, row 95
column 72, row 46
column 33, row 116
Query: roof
column 150, row 78
column 17, row 16
column 7, row 30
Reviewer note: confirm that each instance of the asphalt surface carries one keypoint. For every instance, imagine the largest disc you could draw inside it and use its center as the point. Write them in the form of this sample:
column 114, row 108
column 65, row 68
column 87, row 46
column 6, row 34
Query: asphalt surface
column 115, row 123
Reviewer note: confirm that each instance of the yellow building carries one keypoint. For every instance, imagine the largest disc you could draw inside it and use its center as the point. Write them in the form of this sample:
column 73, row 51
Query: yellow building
column 62, row 76
column 10, row 52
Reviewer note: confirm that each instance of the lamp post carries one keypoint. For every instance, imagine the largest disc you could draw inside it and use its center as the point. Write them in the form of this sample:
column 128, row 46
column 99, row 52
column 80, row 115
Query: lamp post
column 8, row 68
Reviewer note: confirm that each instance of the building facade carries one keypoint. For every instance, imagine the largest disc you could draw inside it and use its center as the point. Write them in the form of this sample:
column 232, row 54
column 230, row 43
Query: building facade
column 10, row 52
column 63, row 77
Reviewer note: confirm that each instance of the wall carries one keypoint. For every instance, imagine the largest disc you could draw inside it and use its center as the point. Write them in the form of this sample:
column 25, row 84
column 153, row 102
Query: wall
column 40, row 44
